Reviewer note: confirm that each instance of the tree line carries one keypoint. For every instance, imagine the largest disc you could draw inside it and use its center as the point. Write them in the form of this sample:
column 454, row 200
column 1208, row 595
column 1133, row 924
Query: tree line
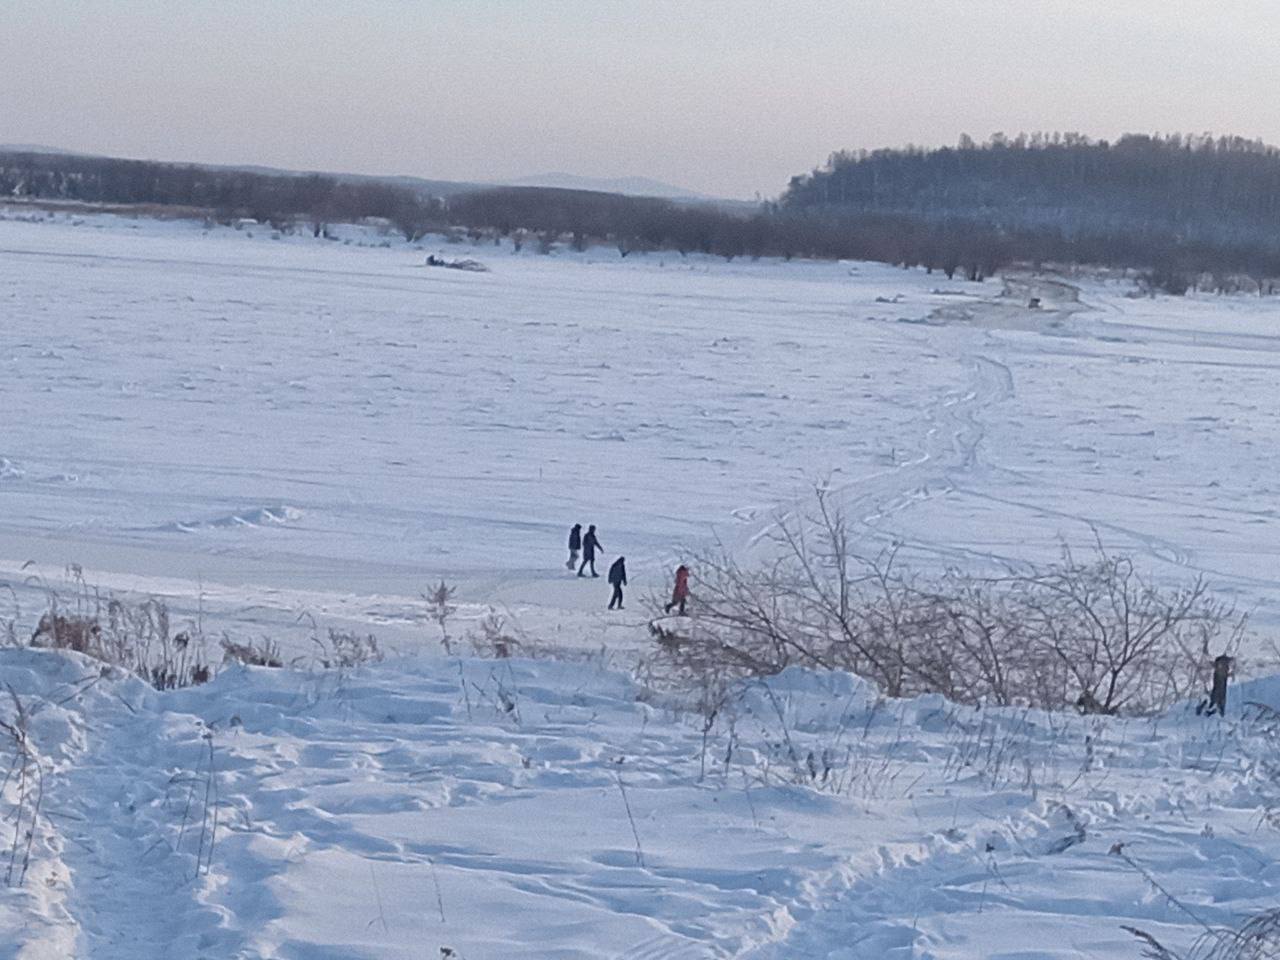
column 1182, row 209
column 224, row 193
column 1179, row 206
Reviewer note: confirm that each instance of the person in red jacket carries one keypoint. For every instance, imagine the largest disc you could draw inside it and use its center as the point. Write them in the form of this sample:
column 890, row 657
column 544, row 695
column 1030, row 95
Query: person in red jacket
column 680, row 594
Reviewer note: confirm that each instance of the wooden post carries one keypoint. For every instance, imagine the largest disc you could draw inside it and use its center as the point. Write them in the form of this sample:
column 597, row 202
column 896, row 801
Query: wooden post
column 1218, row 696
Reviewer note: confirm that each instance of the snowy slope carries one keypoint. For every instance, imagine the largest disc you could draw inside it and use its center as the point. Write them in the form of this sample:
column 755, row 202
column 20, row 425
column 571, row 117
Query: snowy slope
column 535, row 809
column 269, row 426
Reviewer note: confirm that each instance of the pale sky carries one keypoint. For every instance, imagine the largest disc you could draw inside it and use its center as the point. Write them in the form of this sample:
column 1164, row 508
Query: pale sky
column 728, row 97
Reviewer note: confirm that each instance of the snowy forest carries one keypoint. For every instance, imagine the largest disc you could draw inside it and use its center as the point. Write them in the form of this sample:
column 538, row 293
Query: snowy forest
column 1182, row 204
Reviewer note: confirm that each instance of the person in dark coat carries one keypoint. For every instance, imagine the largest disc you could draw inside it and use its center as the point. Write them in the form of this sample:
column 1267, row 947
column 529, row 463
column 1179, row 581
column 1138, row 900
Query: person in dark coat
column 680, row 594
column 589, row 547
column 575, row 545
column 618, row 578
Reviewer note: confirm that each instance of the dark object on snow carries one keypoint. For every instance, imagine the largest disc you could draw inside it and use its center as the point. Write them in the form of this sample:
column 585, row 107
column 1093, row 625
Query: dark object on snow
column 618, row 578
column 1033, row 303
column 680, row 593
column 1087, row 703
column 575, row 545
column 1217, row 702
column 1218, row 696
column 472, row 266
column 669, row 638
column 589, row 547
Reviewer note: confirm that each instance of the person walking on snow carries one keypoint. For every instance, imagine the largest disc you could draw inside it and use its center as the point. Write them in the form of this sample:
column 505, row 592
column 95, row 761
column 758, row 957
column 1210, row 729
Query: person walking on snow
column 575, row 544
column 618, row 578
column 589, row 547
column 680, row 594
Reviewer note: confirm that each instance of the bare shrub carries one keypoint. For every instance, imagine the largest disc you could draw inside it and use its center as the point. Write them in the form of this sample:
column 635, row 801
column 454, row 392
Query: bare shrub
column 1093, row 634
column 69, row 632
column 26, row 775
column 262, row 653
column 502, row 695
column 1121, row 641
column 440, row 607
column 1257, row 939
column 497, row 637
column 9, row 635
column 137, row 636
column 344, row 649
column 1152, row 949
column 492, row 639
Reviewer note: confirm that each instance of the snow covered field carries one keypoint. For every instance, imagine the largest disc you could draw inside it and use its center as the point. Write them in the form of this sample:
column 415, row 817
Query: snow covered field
column 280, row 432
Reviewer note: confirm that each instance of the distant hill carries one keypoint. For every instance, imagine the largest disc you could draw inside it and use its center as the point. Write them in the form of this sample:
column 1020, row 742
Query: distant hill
column 1221, row 191
column 35, row 148
column 627, row 186
column 421, row 185
column 1172, row 179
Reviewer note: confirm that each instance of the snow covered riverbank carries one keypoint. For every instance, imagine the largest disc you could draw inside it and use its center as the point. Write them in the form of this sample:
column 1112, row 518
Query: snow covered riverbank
column 505, row 809
column 278, row 435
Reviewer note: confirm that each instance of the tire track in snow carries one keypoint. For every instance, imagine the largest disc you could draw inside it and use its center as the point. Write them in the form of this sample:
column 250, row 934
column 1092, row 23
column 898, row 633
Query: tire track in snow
column 1158, row 547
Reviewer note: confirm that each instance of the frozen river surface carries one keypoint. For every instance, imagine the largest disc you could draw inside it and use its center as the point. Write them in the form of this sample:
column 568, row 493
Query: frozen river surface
column 283, row 427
